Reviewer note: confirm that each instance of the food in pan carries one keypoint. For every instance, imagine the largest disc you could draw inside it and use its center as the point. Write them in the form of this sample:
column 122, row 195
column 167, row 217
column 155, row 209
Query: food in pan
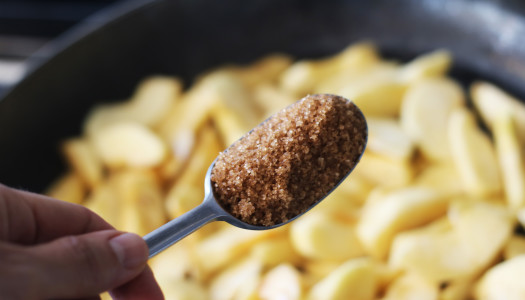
column 434, row 210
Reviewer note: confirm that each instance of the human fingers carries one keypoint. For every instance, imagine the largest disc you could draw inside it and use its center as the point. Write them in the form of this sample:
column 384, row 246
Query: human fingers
column 86, row 265
column 28, row 218
column 142, row 287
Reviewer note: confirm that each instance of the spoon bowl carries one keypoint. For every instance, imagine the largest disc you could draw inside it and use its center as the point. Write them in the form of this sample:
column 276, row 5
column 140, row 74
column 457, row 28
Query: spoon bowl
column 210, row 210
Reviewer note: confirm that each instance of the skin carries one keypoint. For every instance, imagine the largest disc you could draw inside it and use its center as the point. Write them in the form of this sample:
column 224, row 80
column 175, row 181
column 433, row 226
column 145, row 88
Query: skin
column 50, row 249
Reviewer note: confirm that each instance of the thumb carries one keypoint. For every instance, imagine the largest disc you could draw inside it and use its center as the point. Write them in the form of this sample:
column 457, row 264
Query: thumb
column 86, row 265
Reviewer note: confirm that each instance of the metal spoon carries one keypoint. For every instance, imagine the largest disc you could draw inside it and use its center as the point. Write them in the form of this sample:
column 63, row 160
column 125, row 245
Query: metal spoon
column 209, row 210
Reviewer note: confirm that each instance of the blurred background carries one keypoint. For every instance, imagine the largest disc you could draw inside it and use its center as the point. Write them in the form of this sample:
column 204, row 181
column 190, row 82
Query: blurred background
column 25, row 26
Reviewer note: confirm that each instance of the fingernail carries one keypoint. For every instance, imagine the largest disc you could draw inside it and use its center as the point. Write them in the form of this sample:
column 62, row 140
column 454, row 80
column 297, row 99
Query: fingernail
column 130, row 250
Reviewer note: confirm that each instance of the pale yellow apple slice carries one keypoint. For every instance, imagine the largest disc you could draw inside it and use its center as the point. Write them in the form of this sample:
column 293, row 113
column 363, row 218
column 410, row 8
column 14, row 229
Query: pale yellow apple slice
column 514, row 247
column 473, row 154
column 411, row 286
column 237, row 281
column 154, row 98
column 302, row 77
column 129, row 144
column 141, row 201
column 433, row 252
column 483, row 227
column 378, row 92
column 384, row 171
column 281, row 283
column 441, row 176
column 275, row 251
column 69, row 187
column 318, row 235
column 433, row 64
column 400, row 210
column 217, row 250
column 504, row 281
column 84, row 160
column 354, row 279
column 386, row 137
column 456, row 247
column 511, row 159
column 425, row 111
column 152, row 101
column 490, row 101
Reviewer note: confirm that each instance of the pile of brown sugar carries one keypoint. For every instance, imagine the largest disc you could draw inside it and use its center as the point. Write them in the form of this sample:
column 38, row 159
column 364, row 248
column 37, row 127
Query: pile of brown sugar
column 290, row 161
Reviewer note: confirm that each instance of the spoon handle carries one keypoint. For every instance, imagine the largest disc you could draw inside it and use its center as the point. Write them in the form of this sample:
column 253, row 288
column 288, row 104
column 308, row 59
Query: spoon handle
column 176, row 229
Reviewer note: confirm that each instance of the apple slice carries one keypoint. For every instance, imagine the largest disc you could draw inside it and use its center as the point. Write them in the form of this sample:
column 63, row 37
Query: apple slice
column 425, row 111
column 403, row 209
column 511, row 159
column 386, row 137
column 432, row 64
column 281, row 283
column 354, row 279
column 504, row 281
column 456, row 247
column 411, row 286
column 473, row 154
column 129, row 144
column 490, row 101
column 237, row 281
column 515, row 247
column 318, row 235
column 441, row 176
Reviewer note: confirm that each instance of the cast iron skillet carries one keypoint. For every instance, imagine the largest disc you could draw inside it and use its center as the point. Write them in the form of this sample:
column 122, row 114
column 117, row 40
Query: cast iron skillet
column 104, row 58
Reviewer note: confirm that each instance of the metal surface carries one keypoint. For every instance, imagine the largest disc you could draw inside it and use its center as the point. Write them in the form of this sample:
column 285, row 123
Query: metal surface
column 178, row 228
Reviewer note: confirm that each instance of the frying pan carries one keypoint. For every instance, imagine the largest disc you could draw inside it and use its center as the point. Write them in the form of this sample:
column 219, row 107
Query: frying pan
column 103, row 58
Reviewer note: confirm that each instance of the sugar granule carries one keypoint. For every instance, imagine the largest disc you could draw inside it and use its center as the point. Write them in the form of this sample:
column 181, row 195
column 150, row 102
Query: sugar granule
column 291, row 161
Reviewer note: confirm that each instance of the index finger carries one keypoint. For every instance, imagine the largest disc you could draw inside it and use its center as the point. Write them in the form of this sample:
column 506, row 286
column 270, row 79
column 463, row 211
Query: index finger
column 29, row 218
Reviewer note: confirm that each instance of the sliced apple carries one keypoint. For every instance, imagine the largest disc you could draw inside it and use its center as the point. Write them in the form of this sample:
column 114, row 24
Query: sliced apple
column 129, row 144
column 281, row 283
column 441, row 176
column 511, row 159
column 433, row 252
column 425, row 111
column 386, row 137
column 225, row 245
column 141, row 201
column 457, row 247
column 302, row 77
column 354, row 279
column 432, row 64
column 154, row 98
column 104, row 201
column 384, row 171
column 484, row 228
column 275, row 251
column 514, row 247
column 378, row 93
column 503, row 281
column 319, row 235
column 403, row 209
column 233, row 282
column 412, row 286
column 84, row 160
column 490, row 101
column 187, row 191
column 473, row 154
column 69, row 187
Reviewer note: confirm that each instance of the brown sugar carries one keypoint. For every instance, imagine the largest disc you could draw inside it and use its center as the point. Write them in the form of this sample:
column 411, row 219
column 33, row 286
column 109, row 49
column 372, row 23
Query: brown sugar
column 291, row 161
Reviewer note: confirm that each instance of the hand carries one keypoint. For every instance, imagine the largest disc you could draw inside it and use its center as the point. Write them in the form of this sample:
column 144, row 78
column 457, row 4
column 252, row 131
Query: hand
column 54, row 249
